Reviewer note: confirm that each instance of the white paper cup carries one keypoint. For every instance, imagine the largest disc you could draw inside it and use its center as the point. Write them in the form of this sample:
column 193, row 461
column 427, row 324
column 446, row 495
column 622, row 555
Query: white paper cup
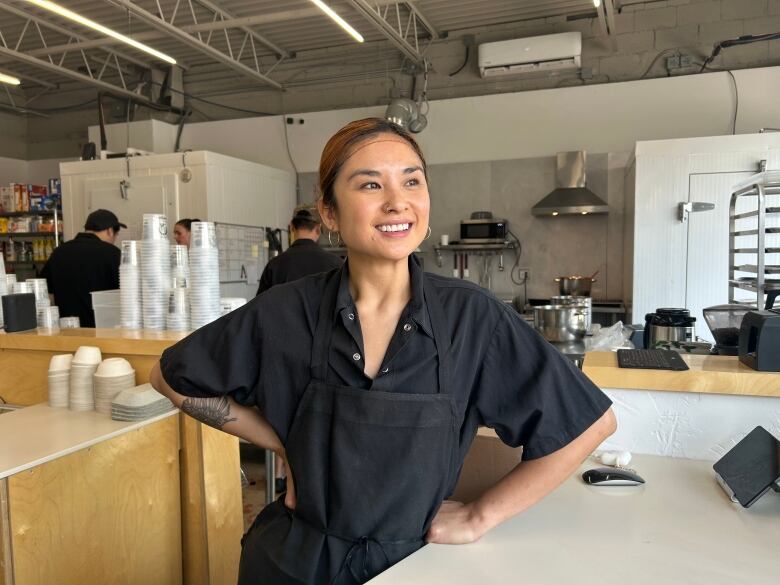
column 445, row 240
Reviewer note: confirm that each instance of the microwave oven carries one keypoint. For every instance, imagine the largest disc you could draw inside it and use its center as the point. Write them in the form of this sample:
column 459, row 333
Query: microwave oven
column 483, row 231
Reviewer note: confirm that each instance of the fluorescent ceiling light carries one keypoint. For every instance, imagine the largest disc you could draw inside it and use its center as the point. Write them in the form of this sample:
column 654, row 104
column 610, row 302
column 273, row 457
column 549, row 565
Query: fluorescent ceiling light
column 340, row 21
column 596, row 3
column 9, row 79
column 70, row 15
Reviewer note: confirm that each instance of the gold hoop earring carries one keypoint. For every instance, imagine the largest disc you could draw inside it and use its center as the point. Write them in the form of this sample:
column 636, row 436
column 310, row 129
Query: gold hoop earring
column 429, row 233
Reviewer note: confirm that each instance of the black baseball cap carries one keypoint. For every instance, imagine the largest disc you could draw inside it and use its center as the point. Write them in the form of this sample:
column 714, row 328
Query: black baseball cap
column 102, row 219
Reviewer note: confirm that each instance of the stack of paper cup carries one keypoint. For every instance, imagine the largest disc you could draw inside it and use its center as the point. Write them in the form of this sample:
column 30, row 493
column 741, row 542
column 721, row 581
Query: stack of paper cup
column 155, row 270
column 10, row 280
column 49, row 318
column 59, row 380
column 69, row 323
column 82, row 369
column 180, row 267
column 131, row 316
column 179, row 310
column 111, row 377
column 3, row 287
column 204, row 274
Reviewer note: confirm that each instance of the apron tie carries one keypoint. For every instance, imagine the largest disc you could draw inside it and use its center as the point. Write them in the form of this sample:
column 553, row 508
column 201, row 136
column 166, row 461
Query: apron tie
column 363, row 543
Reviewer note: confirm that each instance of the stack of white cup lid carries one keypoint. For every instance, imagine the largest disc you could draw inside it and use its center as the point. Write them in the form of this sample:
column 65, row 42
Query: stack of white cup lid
column 59, row 380
column 178, row 318
column 69, row 323
column 82, row 369
column 228, row 304
column 139, row 403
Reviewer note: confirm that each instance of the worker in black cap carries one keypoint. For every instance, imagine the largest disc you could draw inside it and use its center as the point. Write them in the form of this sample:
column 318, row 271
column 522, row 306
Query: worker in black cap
column 303, row 257
column 87, row 263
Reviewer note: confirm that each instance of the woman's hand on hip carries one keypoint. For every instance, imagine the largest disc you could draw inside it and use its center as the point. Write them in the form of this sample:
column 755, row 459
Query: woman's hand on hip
column 454, row 523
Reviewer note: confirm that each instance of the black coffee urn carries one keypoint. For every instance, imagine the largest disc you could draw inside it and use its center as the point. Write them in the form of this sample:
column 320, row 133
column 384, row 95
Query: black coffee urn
column 759, row 340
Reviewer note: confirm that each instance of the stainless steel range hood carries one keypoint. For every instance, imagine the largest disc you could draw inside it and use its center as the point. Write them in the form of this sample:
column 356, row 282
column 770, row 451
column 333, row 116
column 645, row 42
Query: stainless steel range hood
column 571, row 196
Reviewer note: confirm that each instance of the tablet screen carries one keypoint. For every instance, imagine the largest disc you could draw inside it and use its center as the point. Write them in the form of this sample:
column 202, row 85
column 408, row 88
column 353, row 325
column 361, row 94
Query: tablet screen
column 751, row 466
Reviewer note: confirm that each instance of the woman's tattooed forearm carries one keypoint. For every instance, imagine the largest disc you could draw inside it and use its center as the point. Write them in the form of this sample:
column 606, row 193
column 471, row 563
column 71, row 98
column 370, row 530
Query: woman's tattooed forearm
column 214, row 412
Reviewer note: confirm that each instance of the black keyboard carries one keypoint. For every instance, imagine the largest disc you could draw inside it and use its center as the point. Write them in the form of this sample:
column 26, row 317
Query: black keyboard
column 651, row 359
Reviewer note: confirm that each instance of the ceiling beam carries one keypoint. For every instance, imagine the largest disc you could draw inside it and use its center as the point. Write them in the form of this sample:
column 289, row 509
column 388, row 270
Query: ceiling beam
column 75, row 75
column 387, row 30
column 196, row 44
column 257, row 36
column 67, row 32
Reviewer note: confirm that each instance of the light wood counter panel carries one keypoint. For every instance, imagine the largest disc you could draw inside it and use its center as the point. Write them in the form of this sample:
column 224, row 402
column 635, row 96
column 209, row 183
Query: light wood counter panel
column 106, row 514
column 707, row 374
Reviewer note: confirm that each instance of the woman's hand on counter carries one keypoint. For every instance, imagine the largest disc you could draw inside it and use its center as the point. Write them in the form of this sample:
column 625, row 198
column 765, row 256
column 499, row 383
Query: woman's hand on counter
column 455, row 523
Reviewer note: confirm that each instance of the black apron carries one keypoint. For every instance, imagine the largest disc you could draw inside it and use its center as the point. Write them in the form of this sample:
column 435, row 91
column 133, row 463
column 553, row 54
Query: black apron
column 370, row 468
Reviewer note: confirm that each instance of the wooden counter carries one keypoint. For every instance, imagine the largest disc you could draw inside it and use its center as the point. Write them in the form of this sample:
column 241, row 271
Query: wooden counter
column 678, row 528
column 85, row 499
column 707, row 374
column 210, row 483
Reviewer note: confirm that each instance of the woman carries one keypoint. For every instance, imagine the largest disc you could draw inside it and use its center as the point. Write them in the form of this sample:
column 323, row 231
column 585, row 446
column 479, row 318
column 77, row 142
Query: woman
column 181, row 231
column 371, row 381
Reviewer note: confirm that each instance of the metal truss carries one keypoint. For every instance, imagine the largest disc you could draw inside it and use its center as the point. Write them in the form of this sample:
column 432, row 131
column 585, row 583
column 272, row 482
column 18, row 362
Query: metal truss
column 108, row 69
column 402, row 23
column 606, row 14
column 234, row 58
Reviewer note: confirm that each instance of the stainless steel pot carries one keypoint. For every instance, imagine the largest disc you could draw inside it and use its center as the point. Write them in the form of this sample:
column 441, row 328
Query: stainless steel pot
column 578, row 286
column 558, row 323
column 570, row 301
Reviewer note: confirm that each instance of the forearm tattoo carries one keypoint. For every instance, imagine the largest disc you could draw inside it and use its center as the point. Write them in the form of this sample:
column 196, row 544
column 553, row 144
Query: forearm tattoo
column 214, row 412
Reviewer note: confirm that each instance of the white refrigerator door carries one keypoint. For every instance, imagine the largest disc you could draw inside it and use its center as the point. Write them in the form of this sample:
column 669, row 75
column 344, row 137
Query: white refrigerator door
column 150, row 194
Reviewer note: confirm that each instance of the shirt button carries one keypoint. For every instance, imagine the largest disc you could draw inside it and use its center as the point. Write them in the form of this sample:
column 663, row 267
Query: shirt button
column 356, row 357
column 385, row 370
column 351, row 316
column 407, row 327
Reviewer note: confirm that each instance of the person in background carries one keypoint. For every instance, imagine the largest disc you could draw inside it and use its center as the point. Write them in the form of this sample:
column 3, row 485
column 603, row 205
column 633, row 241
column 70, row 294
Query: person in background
column 371, row 380
column 87, row 263
column 181, row 231
column 303, row 257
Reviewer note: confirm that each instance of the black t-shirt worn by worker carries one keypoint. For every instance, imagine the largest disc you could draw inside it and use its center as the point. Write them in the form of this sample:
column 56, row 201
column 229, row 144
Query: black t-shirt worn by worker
column 78, row 267
column 507, row 376
column 302, row 258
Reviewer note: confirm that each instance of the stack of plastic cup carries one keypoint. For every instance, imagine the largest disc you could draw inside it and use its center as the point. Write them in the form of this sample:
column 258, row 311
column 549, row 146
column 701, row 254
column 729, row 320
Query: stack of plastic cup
column 155, row 270
column 69, row 323
column 130, row 314
column 180, row 267
column 22, row 288
column 49, row 319
column 41, row 291
column 178, row 310
column 204, row 274
column 3, row 287
column 10, row 281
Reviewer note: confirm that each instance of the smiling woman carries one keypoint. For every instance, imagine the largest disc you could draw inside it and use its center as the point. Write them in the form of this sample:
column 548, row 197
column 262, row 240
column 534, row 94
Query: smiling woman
column 371, row 381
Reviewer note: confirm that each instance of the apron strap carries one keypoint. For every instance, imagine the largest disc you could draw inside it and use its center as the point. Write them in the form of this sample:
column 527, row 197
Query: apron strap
column 320, row 349
column 440, row 334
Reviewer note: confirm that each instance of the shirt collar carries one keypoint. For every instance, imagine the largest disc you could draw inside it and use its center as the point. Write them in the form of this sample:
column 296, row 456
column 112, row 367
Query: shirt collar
column 304, row 242
column 417, row 308
column 86, row 235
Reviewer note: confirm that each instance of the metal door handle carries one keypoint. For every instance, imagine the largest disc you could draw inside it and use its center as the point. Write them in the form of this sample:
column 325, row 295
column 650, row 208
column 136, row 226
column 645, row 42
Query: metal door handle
column 686, row 207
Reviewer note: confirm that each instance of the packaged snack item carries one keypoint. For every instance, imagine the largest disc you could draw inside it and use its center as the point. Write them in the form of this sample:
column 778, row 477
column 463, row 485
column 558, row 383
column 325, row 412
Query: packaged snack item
column 3, row 225
column 7, row 201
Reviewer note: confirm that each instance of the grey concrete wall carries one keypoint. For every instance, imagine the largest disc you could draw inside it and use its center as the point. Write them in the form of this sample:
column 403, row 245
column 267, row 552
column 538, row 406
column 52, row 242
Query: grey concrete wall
column 330, row 79
column 551, row 246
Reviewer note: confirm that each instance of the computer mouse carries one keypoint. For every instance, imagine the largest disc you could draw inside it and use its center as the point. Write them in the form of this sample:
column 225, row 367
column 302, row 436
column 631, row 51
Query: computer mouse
column 609, row 476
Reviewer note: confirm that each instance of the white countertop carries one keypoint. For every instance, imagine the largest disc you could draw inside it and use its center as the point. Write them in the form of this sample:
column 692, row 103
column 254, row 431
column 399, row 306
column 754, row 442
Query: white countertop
column 679, row 528
column 37, row 434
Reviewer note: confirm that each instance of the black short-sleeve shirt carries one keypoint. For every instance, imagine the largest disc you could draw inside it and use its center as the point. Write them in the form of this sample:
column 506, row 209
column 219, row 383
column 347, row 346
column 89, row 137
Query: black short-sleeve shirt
column 505, row 376
column 302, row 258
column 76, row 268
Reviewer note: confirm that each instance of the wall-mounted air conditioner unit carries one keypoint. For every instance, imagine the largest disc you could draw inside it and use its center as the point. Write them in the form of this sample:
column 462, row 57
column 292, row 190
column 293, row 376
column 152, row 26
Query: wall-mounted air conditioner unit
column 533, row 54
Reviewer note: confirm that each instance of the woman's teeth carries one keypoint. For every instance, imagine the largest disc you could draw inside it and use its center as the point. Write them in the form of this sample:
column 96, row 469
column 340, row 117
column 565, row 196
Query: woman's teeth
column 397, row 227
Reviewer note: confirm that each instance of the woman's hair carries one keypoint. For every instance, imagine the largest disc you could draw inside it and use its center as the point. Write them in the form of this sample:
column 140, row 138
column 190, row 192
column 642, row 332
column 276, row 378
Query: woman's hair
column 341, row 146
column 187, row 223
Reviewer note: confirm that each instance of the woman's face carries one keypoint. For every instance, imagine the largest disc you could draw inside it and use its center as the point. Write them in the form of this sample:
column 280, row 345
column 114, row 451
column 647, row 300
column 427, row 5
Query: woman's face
column 181, row 234
column 382, row 201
